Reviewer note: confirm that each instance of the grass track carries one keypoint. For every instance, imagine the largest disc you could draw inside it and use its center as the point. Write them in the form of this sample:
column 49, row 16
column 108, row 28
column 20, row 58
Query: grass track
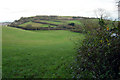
column 37, row 54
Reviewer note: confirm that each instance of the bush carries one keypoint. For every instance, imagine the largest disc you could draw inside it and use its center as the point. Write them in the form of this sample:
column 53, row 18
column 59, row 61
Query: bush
column 71, row 24
column 98, row 56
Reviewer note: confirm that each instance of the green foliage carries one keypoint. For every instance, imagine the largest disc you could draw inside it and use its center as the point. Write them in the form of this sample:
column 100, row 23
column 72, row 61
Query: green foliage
column 71, row 24
column 98, row 56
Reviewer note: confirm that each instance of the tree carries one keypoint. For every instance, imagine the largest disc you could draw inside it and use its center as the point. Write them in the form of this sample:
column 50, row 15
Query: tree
column 71, row 24
column 101, row 13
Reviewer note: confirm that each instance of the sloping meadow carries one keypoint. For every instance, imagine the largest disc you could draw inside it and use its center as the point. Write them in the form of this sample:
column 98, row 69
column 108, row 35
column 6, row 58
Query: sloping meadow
column 38, row 54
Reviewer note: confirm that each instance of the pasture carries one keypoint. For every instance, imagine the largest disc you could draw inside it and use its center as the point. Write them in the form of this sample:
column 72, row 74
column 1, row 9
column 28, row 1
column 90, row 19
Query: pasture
column 32, row 24
column 38, row 54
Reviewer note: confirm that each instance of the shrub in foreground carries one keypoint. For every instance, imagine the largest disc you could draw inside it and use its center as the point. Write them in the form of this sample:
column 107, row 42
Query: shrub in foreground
column 98, row 56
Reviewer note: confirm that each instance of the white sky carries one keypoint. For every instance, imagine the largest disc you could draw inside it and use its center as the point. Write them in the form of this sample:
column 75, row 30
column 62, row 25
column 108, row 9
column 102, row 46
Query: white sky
column 11, row 10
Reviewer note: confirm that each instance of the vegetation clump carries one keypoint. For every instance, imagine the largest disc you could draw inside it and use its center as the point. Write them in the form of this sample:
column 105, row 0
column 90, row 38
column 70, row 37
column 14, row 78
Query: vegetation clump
column 98, row 56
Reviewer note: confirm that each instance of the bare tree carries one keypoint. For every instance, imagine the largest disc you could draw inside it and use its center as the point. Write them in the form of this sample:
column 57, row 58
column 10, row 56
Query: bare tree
column 101, row 13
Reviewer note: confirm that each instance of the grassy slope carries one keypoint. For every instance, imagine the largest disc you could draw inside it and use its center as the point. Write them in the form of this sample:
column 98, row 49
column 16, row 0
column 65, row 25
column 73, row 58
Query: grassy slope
column 52, row 22
column 61, row 22
column 44, row 54
column 35, row 24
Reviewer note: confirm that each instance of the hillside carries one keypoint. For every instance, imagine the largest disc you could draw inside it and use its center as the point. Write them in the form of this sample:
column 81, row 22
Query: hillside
column 37, row 54
column 54, row 23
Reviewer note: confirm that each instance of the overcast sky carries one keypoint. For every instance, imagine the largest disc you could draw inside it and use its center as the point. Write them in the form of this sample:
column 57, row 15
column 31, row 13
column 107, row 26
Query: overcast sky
column 11, row 10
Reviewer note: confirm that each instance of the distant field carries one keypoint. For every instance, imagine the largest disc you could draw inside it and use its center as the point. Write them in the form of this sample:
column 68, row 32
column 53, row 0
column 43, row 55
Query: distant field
column 74, row 21
column 50, row 23
column 61, row 22
column 35, row 25
column 37, row 54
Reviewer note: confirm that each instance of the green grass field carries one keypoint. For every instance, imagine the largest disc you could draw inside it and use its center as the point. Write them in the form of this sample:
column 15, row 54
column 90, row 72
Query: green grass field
column 35, row 25
column 53, row 21
column 48, row 22
column 61, row 22
column 37, row 54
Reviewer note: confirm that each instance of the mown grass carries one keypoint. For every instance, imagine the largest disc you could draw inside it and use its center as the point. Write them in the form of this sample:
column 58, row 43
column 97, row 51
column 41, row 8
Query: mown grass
column 37, row 54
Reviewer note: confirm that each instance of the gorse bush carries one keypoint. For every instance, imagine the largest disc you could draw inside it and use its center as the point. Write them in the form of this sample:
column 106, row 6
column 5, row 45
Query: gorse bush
column 98, row 56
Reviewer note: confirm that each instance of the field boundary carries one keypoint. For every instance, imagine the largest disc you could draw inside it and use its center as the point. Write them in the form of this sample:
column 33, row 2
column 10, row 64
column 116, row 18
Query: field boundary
column 39, row 28
column 47, row 28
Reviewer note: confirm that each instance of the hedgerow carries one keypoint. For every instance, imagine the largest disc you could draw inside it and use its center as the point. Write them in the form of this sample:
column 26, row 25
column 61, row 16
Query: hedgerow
column 98, row 56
